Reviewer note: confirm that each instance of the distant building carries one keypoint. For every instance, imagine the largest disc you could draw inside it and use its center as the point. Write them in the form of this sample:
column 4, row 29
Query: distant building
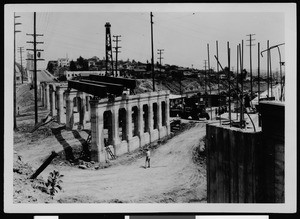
column 72, row 74
column 30, row 66
column 18, row 73
column 61, row 62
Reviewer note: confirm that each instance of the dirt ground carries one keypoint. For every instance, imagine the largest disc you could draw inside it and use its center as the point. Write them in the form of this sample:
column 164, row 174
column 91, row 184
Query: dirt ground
column 177, row 173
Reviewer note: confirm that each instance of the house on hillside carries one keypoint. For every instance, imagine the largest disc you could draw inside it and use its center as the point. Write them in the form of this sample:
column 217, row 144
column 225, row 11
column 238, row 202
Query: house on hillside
column 19, row 71
column 63, row 62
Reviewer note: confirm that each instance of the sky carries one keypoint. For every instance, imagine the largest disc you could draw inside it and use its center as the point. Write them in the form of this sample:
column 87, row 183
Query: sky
column 183, row 35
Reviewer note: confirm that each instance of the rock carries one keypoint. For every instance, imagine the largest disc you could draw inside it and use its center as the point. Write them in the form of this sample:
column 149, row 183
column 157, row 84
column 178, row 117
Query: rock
column 92, row 162
column 82, row 167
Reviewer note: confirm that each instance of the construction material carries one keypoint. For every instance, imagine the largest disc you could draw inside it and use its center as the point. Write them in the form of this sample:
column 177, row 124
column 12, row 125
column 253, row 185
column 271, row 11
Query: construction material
column 42, row 123
column 44, row 165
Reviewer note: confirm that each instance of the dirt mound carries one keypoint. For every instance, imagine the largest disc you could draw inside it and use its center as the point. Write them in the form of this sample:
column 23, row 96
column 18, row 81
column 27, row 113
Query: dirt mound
column 27, row 190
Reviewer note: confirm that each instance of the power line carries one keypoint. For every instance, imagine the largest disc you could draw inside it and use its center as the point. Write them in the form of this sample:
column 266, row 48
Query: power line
column 152, row 57
column 22, row 72
column 117, row 51
column 35, row 55
column 250, row 45
column 15, row 90
column 160, row 52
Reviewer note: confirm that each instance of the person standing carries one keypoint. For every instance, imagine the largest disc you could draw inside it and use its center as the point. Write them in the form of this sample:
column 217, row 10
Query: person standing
column 147, row 158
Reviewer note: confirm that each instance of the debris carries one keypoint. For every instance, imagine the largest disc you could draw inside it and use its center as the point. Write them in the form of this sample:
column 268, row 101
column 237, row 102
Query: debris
column 82, row 166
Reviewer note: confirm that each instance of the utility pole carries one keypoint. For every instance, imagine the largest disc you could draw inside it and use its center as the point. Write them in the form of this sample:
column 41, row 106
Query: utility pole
column 22, row 72
column 160, row 58
column 152, row 52
column 242, row 83
column 209, row 84
column 108, row 50
column 217, row 51
column 237, row 80
column 229, row 93
column 117, row 51
column 258, row 70
column 15, row 89
column 250, row 45
column 268, row 80
column 35, row 50
column 205, row 82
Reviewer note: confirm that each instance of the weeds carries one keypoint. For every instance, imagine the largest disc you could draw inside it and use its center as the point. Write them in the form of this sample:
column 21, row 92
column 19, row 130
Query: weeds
column 53, row 182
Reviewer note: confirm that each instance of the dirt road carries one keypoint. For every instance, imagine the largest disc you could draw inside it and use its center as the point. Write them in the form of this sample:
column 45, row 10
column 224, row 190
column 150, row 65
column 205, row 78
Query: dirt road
column 173, row 176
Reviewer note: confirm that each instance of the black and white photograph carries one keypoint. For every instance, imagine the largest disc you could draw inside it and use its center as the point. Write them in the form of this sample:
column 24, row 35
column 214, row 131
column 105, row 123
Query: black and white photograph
column 150, row 108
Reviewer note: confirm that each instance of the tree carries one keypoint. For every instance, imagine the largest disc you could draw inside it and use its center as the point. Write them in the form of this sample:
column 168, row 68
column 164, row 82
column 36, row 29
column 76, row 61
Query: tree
column 83, row 64
column 73, row 66
column 50, row 67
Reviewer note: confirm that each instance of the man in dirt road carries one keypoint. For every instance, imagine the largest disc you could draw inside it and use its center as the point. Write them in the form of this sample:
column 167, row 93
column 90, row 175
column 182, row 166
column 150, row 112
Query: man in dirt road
column 147, row 158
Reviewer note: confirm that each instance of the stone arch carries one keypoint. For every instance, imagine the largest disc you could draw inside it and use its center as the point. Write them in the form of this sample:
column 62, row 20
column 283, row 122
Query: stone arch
column 107, row 127
column 145, row 117
column 122, row 124
column 135, row 129
column 163, row 113
column 76, row 110
column 155, row 116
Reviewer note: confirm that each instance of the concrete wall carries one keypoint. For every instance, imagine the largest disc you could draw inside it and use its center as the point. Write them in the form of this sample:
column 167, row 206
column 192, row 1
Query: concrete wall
column 134, row 120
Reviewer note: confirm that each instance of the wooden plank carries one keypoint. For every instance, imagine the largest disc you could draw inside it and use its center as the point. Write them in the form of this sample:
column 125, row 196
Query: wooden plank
column 211, row 137
column 249, row 166
column 226, row 166
column 233, row 166
column 208, row 163
column 241, row 167
column 220, row 167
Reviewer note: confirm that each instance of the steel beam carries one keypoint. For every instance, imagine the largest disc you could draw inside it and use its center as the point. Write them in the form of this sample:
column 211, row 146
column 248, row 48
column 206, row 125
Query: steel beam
column 94, row 89
column 111, row 88
column 128, row 83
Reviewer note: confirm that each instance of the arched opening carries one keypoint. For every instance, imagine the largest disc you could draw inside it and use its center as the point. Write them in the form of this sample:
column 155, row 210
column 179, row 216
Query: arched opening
column 76, row 110
column 145, row 117
column 122, row 124
column 163, row 113
column 107, row 128
column 87, row 104
column 155, row 125
column 135, row 130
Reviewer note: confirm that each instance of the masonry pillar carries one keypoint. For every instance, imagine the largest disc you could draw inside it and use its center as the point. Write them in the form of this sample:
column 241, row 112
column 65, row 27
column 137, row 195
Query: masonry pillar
column 53, row 111
column 115, row 126
column 42, row 93
column 69, row 110
column 140, row 123
column 97, row 142
column 47, row 99
column 129, row 123
column 159, row 114
column 60, row 106
column 150, row 119
column 82, row 110
column 167, row 111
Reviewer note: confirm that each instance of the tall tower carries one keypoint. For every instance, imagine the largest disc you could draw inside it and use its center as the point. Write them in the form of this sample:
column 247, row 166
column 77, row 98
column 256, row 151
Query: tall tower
column 108, row 51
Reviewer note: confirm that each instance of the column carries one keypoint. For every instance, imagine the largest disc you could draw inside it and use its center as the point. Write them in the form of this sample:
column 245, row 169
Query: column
column 60, row 114
column 47, row 97
column 115, row 126
column 42, row 90
column 97, row 141
column 69, row 110
column 150, row 119
column 141, row 123
column 81, row 110
column 167, row 111
column 53, row 111
column 129, row 123
column 159, row 119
